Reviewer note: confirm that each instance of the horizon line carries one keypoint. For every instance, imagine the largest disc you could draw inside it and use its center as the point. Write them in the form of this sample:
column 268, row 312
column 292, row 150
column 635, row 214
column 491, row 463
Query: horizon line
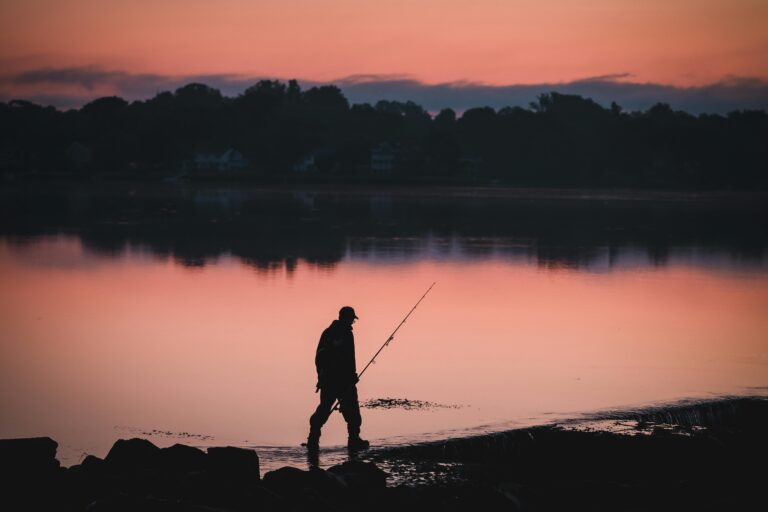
column 72, row 87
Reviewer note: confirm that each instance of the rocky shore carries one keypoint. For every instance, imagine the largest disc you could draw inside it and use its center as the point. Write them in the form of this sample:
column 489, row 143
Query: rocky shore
column 700, row 456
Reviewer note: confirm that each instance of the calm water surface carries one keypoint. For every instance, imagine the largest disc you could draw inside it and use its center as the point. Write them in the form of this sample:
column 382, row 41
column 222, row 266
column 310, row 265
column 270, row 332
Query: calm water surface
column 112, row 329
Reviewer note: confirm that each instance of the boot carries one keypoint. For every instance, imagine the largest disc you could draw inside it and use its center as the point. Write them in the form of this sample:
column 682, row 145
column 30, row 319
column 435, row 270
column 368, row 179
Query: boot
column 355, row 443
column 313, row 441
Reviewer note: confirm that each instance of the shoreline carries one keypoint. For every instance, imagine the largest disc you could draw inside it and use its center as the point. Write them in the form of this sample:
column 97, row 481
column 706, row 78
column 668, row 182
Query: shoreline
column 420, row 188
column 684, row 456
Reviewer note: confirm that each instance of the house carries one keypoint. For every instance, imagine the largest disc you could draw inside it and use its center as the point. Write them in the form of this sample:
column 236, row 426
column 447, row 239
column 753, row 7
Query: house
column 383, row 157
column 229, row 160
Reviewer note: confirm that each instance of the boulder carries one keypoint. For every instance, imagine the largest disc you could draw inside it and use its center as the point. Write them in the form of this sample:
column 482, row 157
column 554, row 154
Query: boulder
column 92, row 463
column 128, row 454
column 297, row 485
column 29, row 455
column 356, row 474
column 237, row 463
column 30, row 475
column 181, row 458
column 286, row 480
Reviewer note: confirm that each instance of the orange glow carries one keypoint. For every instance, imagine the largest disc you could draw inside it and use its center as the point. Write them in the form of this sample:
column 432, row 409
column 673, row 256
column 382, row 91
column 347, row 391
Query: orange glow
column 685, row 42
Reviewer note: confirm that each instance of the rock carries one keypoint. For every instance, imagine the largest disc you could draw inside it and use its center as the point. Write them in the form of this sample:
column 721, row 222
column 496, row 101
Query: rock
column 30, row 475
column 35, row 454
column 286, row 480
column 183, row 458
column 360, row 475
column 129, row 503
column 92, row 463
column 295, row 484
column 238, row 463
column 134, row 453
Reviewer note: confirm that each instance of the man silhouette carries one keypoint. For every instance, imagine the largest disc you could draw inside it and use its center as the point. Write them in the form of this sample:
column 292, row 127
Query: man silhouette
column 337, row 379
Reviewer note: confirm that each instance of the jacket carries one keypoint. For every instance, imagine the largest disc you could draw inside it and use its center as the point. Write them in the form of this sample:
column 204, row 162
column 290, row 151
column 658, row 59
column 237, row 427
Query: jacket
column 335, row 356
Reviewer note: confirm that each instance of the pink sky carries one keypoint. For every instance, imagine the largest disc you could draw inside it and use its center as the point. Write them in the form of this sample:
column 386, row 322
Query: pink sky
column 680, row 42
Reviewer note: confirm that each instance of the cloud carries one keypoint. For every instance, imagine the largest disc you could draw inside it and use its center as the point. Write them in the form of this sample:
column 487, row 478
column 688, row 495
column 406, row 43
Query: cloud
column 730, row 94
column 132, row 86
column 73, row 87
column 87, row 77
column 604, row 78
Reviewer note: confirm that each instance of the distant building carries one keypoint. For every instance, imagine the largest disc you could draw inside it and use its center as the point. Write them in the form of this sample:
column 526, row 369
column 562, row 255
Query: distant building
column 229, row 160
column 383, row 157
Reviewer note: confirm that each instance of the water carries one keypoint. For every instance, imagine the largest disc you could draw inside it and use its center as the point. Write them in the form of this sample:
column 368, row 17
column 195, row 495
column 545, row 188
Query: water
column 192, row 314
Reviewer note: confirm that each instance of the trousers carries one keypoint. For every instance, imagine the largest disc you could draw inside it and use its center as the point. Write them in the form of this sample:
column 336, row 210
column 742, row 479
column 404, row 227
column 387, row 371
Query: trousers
column 350, row 409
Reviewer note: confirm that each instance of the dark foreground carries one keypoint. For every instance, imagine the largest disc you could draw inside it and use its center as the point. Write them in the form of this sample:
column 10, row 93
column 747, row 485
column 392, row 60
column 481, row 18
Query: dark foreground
column 704, row 456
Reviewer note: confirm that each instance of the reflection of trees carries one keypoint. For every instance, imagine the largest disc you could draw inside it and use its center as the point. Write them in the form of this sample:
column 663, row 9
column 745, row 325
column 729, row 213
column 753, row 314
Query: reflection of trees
column 275, row 229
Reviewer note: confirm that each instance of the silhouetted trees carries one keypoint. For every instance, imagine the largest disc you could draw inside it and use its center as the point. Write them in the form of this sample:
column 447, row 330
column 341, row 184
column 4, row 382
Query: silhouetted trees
column 561, row 140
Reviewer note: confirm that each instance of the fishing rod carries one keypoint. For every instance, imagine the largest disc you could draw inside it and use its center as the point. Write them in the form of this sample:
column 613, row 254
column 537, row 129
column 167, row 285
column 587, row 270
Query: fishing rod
column 386, row 343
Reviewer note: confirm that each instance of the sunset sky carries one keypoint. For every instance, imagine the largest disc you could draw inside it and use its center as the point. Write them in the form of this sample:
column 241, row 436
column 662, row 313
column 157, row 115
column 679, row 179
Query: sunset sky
column 81, row 48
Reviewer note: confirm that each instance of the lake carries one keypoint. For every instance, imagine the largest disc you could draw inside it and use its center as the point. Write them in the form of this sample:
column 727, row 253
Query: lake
column 191, row 313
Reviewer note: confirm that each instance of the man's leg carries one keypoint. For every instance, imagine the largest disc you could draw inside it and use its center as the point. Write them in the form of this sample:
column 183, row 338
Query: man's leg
column 350, row 409
column 320, row 416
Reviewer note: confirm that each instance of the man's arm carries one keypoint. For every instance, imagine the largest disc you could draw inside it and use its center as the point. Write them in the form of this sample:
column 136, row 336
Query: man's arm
column 350, row 366
column 323, row 357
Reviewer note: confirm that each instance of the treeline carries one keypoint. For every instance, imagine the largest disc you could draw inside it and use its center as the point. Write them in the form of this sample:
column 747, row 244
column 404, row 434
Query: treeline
column 561, row 140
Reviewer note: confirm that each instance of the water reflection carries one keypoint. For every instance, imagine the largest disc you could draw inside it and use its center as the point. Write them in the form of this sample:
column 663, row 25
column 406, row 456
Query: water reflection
column 197, row 310
column 272, row 230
